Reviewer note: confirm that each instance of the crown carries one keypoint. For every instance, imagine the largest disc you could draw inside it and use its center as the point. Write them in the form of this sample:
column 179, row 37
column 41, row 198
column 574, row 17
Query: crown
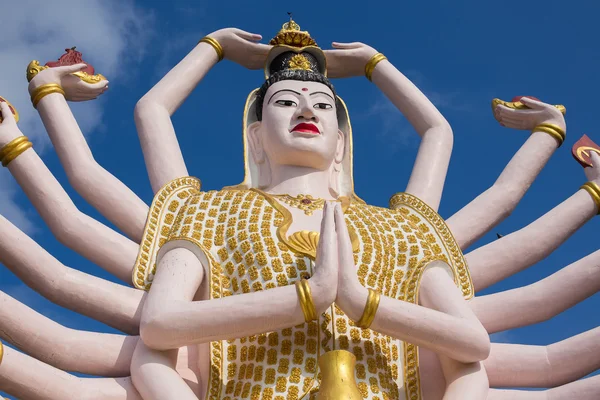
column 291, row 35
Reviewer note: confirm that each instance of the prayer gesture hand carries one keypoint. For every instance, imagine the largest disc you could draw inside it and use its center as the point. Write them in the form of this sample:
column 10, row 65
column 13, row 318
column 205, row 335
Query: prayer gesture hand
column 325, row 279
column 242, row 47
column 75, row 89
column 348, row 59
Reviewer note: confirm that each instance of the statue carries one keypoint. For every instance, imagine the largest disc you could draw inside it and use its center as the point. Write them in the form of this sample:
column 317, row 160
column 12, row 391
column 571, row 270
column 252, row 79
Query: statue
column 288, row 285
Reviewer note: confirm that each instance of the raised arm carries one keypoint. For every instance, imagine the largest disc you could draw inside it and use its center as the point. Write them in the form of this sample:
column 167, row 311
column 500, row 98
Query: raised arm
column 495, row 204
column 171, row 319
column 521, row 249
column 164, row 161
column 430, row 168
column 96, row 185
column 88, row 237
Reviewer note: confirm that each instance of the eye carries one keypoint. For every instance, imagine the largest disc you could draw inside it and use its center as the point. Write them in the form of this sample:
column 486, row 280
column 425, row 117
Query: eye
column 286, row 103
column 323, row 106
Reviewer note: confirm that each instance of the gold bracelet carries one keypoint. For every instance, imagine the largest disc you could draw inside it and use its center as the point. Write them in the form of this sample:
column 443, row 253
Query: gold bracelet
column 215, row 45
column 42, row 91
column 306, row 300
column 1, row 351
column 594, row 190
column 370, row 310
column 553, row 130
column 370, row 67
column 14, row 149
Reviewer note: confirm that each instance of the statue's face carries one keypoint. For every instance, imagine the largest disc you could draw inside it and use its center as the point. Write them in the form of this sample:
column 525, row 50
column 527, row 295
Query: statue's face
column 299, row 125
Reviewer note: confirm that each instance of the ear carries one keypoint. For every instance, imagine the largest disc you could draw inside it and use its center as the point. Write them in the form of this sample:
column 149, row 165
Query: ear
column 255, row 143
column 339, row 150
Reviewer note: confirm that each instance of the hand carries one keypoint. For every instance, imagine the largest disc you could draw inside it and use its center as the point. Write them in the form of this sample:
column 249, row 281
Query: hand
column 325, row 279
column 352, row 296
column 241, row 47
column 8, row 127
column 593, row 173
column 348, row 59
column 538, row 113
column 75, row 89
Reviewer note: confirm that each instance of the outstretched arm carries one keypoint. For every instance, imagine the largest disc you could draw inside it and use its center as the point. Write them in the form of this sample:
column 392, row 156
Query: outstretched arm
column 430, row 168
column 96, row 185
column 164, row 161
column 71, row 227
column 495, row 204
column 521, row 249
column 171, row 319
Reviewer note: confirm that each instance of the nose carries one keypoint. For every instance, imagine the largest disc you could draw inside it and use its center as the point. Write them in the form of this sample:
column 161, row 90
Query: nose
column 306, row 112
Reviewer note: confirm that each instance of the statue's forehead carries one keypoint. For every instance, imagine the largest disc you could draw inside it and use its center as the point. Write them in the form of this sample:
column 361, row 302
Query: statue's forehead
column 304, row 87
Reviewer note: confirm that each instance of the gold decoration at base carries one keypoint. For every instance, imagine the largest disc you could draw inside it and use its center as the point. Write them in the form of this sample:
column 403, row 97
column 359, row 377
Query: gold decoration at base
column 303, row 202
column 84, row 76
column 337, row 376
column 299, row 61
column 215, row 45
column 517, row 105
column 306, row 300
column 42, row 91
column 14, row 149
column 370, row 310
column 370, row 67
column 553, row 130
column 594, row 190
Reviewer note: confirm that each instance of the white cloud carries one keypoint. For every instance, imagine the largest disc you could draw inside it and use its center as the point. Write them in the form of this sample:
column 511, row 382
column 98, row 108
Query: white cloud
column 110, row 34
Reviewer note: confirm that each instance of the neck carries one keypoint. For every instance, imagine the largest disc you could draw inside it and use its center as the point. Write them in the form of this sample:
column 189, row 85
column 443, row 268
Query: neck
column 292, row 180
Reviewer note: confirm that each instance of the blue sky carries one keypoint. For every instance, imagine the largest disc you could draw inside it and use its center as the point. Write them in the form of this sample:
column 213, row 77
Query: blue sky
column 460, row 53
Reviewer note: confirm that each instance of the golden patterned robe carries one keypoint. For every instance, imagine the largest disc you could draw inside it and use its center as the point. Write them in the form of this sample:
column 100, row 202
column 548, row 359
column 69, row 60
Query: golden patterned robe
column 243, row 235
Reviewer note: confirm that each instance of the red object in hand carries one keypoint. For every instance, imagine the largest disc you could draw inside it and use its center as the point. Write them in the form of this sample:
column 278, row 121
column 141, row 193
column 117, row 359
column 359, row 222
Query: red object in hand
column 582, row 150
column 71, row 57
column 518, row 98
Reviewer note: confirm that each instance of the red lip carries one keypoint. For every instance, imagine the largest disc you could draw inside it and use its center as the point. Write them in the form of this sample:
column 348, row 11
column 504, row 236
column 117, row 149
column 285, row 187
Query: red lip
column 308, row 128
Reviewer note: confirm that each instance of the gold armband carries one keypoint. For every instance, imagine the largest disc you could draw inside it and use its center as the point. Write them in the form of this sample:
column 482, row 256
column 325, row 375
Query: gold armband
column 370, row 310
column 42, row 91
column 1, row 351
column 14, row 149
column 594, row 190
column 370, row 67
column 215, row 45
column 553, row 130
column 306, row 300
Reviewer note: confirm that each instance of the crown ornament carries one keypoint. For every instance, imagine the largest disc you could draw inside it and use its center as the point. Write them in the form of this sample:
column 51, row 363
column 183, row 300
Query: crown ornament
column 291, row 35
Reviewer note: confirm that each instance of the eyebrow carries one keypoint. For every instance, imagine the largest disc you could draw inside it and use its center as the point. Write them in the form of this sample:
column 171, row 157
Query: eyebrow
column 326, row 94
column 283, row 90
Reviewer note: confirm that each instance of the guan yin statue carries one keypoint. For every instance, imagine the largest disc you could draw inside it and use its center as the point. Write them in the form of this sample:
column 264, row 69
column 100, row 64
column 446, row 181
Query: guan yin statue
column 288, row 286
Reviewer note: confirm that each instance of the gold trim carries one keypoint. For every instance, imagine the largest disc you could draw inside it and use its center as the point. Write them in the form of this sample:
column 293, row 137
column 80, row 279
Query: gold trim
column 87, row 78
column 33, row 69
column 151, row 236
column 14, row 149
column 215, row 45
column 594, row 190
column 553, row 130
column 1, row 352
column 372, row 63
column 42, row 91
column 517, row 105
column 306, row 300
column 370, row 310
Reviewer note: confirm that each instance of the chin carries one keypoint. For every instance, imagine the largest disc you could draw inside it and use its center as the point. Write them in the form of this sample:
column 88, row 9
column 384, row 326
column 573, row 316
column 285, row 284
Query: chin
column 307, row 155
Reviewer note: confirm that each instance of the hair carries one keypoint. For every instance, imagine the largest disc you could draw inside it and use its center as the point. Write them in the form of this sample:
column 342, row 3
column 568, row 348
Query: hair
column 280, row 71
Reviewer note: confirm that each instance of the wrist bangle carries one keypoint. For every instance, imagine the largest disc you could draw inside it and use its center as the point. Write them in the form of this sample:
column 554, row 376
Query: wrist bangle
column 42, row 91
column 370, row 310
column 553, row 130
column 1, row 351
column 594, row 190
column 306, row 300
column 14, row 149
column 370, row 67
column 215, row 45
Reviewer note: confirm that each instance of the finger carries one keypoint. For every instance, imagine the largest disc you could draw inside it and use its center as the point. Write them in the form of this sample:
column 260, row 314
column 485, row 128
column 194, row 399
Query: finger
column 343, row 238
column 69, row 69
column 7, row 115
column 536, row 105
column 353, row 45
column 248, row 36
column 595, row 158
column 327, row 236
column 100, row 85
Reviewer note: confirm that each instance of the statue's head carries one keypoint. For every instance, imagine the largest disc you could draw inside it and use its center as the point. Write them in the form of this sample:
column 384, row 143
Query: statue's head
column 295, row 118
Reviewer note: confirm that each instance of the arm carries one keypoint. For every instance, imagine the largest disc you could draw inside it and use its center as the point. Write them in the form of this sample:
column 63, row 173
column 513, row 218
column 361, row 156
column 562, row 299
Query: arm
column 164, row 161
column 115, row 305
column 495, row 204
column 459, row 335
column 18, row 371
column 97, row 186
column 105, row 354
column 541, row 300
column 171, row 319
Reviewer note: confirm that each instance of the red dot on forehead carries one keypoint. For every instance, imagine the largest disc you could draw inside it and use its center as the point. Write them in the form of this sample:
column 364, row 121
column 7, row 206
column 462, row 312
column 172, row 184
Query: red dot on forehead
column 304, row 89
